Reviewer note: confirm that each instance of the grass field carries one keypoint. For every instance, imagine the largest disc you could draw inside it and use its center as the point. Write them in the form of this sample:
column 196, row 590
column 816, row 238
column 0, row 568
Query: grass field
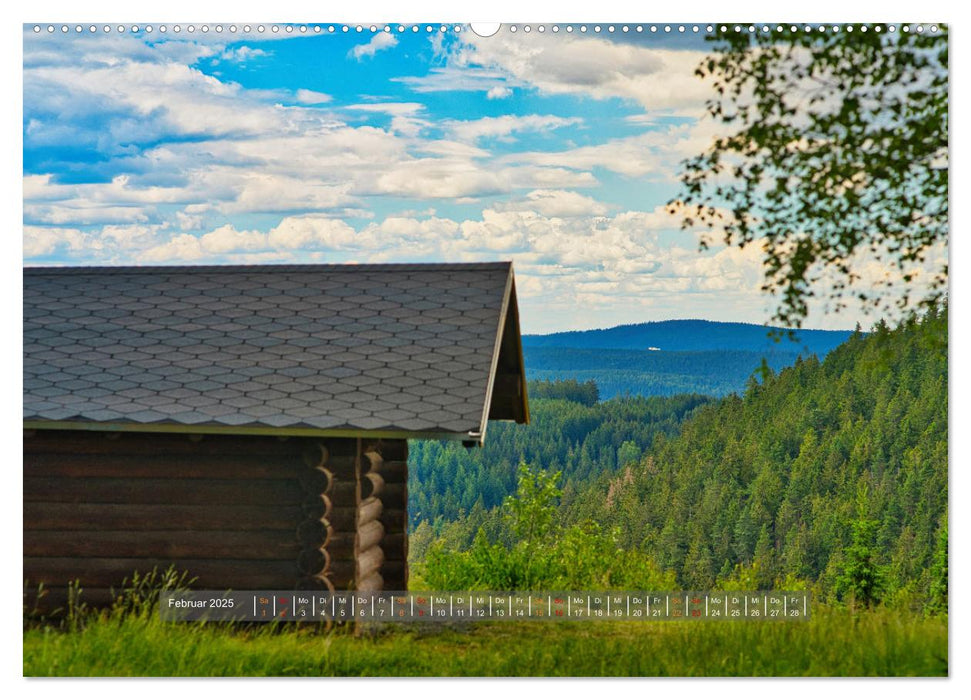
column 832, row 643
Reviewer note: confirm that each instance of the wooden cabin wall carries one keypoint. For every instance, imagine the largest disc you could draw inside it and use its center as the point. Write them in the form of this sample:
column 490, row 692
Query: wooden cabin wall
column 235, row 512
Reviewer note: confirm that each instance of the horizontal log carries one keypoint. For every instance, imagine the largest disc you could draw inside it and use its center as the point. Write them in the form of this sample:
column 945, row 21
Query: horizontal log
column 54, row 600
column 371, row 584
column 342, row 519
column 395, row 576
column 315, row 455
column 173, row 491
column 313, row 561
column 279, row 544
column 395, row 520
column 315, row 583
column 371, row 459
column 343, row 491
column 394, row 495
column 343, row 466
column 368, row 562
column 317, row 480
column 74, row 442
column 369, row 510
column 372, row 484
column 341, row 574
column 390, row 449
column 315, row 532
column 394, row 472
column 369, row 535
column 348, row 491
column 395, row 546
column 120, row 516
column 161, row 465
column 316, row 505
column 340, row 447
column 238, row 574
column 341, row 547
column 395, row 571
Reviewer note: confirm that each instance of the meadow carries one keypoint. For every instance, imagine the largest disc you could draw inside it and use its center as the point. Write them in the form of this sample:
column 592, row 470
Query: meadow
column 833, row 642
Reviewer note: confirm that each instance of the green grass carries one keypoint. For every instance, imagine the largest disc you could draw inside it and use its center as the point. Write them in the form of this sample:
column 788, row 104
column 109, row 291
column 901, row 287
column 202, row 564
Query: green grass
column 832, row 643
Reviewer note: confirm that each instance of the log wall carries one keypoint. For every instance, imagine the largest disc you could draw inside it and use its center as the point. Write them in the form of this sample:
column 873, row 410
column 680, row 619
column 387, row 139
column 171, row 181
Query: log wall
column 235, row 512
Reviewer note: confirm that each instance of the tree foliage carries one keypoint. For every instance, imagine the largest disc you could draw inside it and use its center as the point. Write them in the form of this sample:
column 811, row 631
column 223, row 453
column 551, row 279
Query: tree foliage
column 753, row 492
column 835, row 148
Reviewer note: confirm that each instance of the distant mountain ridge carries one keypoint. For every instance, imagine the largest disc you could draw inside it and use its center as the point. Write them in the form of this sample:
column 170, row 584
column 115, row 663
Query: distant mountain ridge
column 692, row 335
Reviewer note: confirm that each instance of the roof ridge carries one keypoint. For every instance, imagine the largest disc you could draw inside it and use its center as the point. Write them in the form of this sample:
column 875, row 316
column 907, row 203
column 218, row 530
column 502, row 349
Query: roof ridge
column 302, row 267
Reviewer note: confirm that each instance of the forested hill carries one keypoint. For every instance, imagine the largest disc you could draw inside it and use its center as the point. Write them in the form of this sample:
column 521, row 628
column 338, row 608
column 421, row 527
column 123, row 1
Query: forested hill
column 569, row 431
column 670, row 357
column 823, row 473
column 681, row 335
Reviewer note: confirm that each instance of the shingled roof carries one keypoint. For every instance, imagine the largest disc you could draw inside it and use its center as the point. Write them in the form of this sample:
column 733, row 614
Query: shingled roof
column 418, row 350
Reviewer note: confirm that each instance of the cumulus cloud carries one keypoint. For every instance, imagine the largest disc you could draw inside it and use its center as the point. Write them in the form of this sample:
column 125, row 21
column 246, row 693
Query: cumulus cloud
column 384, row 40
column 556, row 203
column 312, row 97
column 313, row 232
column 656, row 153
column 572, row 64
column 242, row 54
column 40, row 240
column 507, row 124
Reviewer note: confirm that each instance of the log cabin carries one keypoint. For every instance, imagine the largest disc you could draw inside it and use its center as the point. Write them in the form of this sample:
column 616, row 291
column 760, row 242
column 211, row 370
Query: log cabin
column 249, row 424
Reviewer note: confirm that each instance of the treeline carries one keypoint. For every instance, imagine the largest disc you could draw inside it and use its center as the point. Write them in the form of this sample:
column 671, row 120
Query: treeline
column 572, row 433
column 769, row 486
column 829, row 475
column 568, row 390
column 651, row 373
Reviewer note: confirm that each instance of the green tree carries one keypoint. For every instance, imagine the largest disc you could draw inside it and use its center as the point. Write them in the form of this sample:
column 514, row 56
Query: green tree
column 532, row 509
column 939, row 600
column 836, row 145
column 863, row 577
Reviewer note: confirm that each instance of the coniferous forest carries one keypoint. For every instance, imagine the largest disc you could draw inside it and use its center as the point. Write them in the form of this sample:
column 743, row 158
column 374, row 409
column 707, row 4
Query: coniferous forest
column 829, row 475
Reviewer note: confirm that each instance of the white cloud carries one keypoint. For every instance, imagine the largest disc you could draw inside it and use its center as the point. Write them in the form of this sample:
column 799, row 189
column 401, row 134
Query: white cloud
column 556, row 203
column 590, row 66
column 498, row 92
column 183, row 247
column 505, row 125
column 655, row 153
column 313, row 232
column 44, row 241
column 242, row 54
column 312, row 97
column 227, row 239
column 384, row 40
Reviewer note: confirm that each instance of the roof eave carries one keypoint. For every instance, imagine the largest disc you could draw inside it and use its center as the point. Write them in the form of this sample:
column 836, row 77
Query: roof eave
column 246, row 430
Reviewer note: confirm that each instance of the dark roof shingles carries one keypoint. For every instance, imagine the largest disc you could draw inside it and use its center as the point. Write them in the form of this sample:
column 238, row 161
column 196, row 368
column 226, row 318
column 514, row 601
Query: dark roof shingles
column 375, row 347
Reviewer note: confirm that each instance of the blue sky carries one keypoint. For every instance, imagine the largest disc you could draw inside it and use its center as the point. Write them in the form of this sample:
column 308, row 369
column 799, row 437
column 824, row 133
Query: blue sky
column 557, row 151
